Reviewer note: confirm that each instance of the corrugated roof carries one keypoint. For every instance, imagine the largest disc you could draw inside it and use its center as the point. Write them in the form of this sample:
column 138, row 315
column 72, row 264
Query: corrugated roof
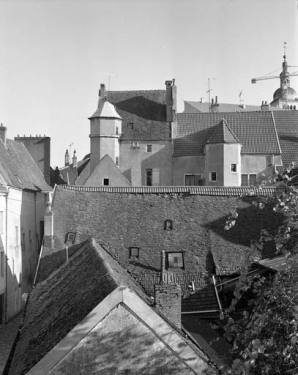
column 19, row 169
column 254, row 130
column 143, row 114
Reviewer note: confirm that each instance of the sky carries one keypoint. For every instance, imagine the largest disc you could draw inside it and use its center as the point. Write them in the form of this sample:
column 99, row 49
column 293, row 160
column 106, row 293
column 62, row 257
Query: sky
column 55, row 54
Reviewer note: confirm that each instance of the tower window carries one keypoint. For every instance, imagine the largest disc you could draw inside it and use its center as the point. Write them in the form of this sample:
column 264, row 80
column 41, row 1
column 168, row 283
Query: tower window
column 233, row 167
column 149, row 148
column 106, row 182
column 117, row 130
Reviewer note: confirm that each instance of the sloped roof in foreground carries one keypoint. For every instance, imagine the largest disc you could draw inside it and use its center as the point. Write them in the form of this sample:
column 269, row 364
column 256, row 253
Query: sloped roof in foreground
column 76, row 298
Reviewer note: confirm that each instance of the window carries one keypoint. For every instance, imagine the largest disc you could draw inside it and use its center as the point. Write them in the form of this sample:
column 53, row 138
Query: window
column 106, row 182
column 70, row 237
column 134, row 252
column 134, row 145
column 148, row 177
column 130, row 125
column 149, row 148
column 174, row 260
column 248, row 179
column 117, row 130
column 213, row 176
column 193, row 180
column 117, row 160
column 168, row 225
column 2, row 263
column 233, row 167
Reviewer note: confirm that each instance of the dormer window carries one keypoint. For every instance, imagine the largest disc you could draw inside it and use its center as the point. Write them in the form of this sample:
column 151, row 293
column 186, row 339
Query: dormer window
column 106, row 182
column 70, row 237
column 174, row 261
column 134, row 252
column 149, row 148
column 168, row 225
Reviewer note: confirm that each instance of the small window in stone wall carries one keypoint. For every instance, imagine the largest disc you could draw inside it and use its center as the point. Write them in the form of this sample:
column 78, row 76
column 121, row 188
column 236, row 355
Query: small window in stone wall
column 70, row 237
column 168, row 225
column 175, row 260
column 134, row 252
column 130, row 125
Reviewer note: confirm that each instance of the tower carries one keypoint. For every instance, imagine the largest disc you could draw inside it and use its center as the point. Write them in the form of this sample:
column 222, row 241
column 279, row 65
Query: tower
column 105, row 130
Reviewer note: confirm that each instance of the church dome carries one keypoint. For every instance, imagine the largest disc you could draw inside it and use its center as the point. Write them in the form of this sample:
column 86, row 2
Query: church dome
column 289, row 92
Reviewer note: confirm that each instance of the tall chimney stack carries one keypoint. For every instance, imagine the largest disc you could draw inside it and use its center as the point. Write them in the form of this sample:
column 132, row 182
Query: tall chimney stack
column 3, row 133
column 102, row 92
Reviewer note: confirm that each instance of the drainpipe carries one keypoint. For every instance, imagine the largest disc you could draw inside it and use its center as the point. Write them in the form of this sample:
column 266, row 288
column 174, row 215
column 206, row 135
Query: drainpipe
column 6, row 256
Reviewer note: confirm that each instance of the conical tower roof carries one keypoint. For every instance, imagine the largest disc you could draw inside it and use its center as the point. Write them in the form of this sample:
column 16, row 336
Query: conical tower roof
column 105, row 110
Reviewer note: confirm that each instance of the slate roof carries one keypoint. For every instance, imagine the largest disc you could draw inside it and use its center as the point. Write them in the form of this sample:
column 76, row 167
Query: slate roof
column 57, row 305
column 195, row 106
column 19, row 169
column 120, row 218
column 146, row 110
column 255, row 131
column 286, row 123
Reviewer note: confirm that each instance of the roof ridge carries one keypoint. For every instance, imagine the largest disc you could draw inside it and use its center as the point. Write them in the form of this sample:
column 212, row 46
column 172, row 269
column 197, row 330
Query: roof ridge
column 191, row 190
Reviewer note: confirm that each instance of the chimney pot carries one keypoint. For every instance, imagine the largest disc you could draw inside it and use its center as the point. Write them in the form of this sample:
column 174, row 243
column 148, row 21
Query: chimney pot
column 102, row 91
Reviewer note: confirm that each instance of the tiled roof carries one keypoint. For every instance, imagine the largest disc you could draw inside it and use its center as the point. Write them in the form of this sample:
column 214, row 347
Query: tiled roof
column 254, row 130
column 19, row 169
column 184, row 190
column 123, row 218
column 57, row 305
column 223, row 134
column 145, row 110
column 69, row 174
column 287, row 129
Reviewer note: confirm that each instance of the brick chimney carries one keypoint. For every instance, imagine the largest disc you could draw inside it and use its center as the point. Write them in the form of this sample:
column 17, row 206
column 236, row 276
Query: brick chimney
column 214, row 105
column 264, row 106
column 74, row 159
column 3, row 133
column 167, row 295
column 102, row 91
column 66, row 158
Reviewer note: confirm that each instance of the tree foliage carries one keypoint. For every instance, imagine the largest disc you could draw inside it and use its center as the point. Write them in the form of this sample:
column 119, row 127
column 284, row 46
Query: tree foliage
column 264, row 337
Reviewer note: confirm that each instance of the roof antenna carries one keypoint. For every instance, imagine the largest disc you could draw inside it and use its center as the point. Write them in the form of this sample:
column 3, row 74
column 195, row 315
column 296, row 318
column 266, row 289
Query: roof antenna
column 110, row 75
column 285, row 50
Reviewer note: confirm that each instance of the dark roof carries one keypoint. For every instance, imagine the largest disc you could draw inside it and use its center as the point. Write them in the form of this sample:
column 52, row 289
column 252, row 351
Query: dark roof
column 146, row 110
column 120, row 218
column 287, row 129
column 223, row 134
column 255, row 131
column 58, row 304
column 19, row 169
